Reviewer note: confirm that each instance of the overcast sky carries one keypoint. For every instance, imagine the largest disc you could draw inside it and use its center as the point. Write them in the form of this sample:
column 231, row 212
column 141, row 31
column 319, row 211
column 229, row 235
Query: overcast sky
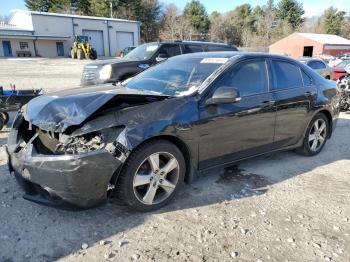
column 312, row 7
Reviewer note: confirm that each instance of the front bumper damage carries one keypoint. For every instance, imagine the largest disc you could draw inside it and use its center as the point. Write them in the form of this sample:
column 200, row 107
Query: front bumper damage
column 75, row 181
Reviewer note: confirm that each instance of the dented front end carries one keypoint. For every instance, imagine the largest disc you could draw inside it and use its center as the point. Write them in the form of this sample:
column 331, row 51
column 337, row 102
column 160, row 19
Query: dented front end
column 65, row 169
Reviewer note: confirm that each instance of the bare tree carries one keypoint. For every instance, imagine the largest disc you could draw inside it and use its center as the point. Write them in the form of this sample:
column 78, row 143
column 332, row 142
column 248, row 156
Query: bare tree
column 176, row 26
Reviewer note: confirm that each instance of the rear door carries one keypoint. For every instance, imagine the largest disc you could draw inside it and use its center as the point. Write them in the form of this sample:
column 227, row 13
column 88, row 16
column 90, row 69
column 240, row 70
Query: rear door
column 294, row 93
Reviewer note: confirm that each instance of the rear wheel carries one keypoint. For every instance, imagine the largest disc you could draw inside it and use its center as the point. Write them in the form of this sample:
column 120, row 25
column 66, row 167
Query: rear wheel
column 316, row 136
column 80, row 54
column 151, row 176
column 1, row 123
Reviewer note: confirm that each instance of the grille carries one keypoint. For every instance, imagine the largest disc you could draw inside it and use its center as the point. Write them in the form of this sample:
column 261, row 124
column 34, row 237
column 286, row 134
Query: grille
column 90, row 73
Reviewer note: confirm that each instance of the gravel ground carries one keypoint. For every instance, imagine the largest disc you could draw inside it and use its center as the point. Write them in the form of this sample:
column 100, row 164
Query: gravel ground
column 278, row 207
column 41, row 73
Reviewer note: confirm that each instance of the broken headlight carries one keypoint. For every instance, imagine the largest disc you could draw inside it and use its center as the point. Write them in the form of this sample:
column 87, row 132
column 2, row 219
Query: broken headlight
column 81, row 144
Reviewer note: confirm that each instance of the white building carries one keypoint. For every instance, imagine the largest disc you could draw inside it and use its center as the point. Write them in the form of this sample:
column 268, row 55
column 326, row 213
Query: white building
column 50, row 35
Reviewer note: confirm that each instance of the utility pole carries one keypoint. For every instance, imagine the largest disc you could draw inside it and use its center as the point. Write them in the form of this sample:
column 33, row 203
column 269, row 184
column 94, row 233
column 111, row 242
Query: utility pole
column 111, row 9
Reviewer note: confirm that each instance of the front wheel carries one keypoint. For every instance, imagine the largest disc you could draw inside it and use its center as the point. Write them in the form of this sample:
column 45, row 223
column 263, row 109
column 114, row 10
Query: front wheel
column 80, row 54
column 151, row 176
column 316, row 136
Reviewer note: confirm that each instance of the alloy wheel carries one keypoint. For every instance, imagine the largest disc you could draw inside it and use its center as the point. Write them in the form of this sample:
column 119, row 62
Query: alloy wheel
column 156, row 178
column 317, row 135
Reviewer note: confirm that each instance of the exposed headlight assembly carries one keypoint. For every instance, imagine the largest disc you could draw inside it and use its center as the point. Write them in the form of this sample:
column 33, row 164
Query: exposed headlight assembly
column 93, row 141
column 105, row 72
column 81, row 144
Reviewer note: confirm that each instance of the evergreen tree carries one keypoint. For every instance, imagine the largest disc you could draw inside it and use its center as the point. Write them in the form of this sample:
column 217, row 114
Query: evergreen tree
column 196, row 12
column 333, row 21
column 290, row 11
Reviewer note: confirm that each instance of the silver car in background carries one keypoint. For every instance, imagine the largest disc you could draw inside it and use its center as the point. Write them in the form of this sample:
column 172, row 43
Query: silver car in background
column 319, row 66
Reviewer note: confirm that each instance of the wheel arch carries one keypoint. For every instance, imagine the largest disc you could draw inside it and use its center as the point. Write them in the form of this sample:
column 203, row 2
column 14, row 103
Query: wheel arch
column 330, row 120
column 179, row 143
column 328, row 115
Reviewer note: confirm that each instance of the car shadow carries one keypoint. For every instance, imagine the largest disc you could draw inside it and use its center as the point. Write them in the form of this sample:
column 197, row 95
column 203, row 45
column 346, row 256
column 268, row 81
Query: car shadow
column 22, row 223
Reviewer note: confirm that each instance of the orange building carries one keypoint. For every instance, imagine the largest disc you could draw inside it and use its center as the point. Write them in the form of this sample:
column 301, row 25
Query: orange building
column 307, row 44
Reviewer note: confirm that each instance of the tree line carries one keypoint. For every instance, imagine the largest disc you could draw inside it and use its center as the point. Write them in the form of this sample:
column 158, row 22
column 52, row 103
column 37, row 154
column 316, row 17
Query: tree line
column 244, row 25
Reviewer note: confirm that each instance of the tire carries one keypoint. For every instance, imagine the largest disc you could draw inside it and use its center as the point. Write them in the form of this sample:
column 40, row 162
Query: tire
column 308, row 148
column 137, row 181
column 5, row 117
column 2, row 123
column 80, row 54
column 73, row 54
column 93, row 54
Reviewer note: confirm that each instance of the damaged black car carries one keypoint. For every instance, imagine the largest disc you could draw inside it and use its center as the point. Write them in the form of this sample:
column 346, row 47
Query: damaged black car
column 143, row 139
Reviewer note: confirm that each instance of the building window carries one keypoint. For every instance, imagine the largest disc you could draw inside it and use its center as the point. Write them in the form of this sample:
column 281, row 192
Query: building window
column 23, row 45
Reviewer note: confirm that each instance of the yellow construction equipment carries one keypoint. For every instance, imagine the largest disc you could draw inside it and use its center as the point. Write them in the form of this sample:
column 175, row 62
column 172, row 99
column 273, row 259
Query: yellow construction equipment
column 82, row 49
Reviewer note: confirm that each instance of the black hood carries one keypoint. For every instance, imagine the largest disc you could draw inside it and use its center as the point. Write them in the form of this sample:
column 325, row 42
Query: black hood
column 101, row 63
column 57, row 111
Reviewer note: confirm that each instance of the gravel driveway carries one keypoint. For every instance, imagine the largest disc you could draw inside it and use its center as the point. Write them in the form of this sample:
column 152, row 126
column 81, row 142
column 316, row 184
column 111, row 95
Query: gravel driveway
column 278, row 207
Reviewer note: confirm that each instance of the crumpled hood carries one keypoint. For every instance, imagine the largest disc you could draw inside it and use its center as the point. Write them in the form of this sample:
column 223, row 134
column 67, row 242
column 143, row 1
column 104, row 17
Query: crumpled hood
column 57, row 111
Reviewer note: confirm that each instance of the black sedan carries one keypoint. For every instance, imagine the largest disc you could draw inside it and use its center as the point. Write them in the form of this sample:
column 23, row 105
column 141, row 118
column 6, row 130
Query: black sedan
column 141, row 140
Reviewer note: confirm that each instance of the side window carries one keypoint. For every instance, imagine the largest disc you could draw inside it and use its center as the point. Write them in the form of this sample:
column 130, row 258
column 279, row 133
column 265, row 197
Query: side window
column 190, row 48
column 316, row 65
column 220, row 48
column 249, row 78
column 286, row 75
column 170, row 50
column 312, row 64
column 320, row 65
column 306, row 79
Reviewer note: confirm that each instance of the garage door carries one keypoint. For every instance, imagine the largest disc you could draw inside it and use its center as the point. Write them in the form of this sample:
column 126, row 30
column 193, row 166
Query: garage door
column 96, row 40
column 124, row 39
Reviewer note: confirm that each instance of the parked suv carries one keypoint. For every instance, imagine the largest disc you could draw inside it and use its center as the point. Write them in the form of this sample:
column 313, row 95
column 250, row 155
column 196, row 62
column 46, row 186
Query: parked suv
column 142, row 57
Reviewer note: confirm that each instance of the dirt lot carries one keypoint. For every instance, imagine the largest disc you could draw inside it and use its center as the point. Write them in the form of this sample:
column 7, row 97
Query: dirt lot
column 41, row 73
column 279, row 207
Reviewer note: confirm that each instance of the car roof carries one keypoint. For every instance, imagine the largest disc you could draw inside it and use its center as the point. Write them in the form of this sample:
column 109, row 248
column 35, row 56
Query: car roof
column 230, row 54
column 189, row 42
column 309, row 59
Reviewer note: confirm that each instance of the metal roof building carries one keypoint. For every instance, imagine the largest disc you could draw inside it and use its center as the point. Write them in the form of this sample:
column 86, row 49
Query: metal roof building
column 50, row 34
column 308, row 44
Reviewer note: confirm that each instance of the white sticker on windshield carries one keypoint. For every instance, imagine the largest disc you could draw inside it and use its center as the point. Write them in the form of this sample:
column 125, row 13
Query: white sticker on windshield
column 213, row 60
column 151, row 48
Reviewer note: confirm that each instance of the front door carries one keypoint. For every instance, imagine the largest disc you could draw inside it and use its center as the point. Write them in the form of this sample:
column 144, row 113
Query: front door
column 244, row 128
column 60, row 49
column 294, row 93
column 7, row 48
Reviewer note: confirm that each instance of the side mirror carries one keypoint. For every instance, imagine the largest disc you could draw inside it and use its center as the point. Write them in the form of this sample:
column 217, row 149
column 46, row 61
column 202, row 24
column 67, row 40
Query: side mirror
column 161, row 57
column 224, row 95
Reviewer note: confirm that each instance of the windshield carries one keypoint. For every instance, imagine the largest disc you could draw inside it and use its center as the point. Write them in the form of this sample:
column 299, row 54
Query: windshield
column 177, row 76
column 143, row 52
column 343, row 64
